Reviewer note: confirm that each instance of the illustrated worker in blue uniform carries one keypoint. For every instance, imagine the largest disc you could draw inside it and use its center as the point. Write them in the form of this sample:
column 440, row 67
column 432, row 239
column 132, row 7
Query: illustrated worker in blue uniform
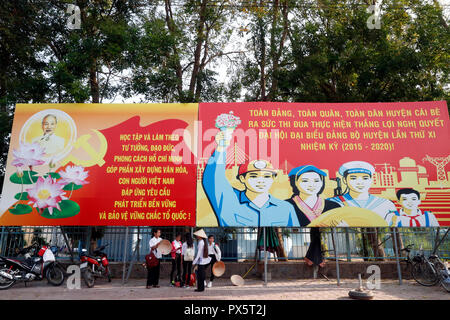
column 253, row 206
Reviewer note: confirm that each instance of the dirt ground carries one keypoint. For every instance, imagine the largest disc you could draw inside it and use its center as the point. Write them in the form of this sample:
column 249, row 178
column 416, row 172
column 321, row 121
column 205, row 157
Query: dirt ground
column 319, row 289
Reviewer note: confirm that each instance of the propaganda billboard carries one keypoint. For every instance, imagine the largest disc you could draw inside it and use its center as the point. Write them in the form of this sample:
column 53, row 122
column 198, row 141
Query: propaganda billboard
column 99, row 164
column 243, row 164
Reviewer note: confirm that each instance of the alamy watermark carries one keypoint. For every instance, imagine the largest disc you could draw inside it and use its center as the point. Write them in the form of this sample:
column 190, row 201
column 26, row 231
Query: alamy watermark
column 74, row 278
column 374, row 21
column 74, row 20
column 374, row 280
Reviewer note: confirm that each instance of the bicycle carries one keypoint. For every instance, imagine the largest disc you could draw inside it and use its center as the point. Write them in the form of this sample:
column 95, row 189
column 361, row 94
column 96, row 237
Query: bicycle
column 441, row 271
column 428, row 271
column 421, row 268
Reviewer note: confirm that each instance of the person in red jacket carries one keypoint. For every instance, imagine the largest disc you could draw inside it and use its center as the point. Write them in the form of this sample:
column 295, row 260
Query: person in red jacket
column 176, row 259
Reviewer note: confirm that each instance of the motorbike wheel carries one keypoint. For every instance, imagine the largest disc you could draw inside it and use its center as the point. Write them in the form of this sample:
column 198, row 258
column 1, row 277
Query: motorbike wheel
column 55, row 275
column 6, row 283
column 88, row 277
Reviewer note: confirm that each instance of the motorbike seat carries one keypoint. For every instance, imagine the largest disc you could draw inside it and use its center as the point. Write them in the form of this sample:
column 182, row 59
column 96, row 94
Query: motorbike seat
column 22, row 260
column 93, row 257
column 433, row 256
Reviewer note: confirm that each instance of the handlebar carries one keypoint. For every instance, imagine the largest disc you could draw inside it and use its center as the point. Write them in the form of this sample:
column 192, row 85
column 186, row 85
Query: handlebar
column 26, row 249
column 101, row 248
column 407, row 248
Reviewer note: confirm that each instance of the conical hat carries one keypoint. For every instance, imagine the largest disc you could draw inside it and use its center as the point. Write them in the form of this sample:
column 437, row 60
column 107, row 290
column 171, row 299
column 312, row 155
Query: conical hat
column 201, row 233
column 165, row 247
column 237, row 280
column 218, row 268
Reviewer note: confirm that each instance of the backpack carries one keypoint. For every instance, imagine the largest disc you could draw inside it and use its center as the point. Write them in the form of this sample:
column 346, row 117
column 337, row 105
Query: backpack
column 189, row 254
column 151, row 260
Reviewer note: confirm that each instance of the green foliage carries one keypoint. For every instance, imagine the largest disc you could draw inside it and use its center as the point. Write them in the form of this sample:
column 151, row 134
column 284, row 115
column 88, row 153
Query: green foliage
column 177, row 51
column 337, row 58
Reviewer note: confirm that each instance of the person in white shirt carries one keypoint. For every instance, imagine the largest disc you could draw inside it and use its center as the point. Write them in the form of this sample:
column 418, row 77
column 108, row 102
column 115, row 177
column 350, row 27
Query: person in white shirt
column 410, row 215
column 202, row 259
column 215, row 254
column 49, row 141
column 153, row 273
column 358, row 176
column 176, row 259
column 187, row 257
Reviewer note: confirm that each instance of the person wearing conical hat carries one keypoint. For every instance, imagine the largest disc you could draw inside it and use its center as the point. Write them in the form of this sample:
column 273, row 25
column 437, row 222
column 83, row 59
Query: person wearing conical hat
column 202, row 259
column 357, row 175
column 253, row 206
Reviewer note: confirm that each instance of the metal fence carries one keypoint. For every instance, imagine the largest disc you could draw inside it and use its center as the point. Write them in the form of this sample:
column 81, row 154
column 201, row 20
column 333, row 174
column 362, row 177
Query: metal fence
column 237, row 244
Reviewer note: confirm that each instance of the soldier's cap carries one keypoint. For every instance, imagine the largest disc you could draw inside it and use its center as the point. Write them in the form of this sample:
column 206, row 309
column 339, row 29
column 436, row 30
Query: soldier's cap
column 256, row 165
column 356, row 167
column 302, row 169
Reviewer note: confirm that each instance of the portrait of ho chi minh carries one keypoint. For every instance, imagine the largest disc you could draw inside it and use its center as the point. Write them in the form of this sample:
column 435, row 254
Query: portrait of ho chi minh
column 51, row 143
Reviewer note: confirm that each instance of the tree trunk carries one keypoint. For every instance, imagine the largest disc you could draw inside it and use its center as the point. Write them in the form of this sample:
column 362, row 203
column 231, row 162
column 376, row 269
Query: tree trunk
column 378, row 251
column 276, row 49
column 178, row 69
column 93, row 82
column 198, row 49
column 364, row 245
column 399, row 241
column 281, row 253
column 262, row 62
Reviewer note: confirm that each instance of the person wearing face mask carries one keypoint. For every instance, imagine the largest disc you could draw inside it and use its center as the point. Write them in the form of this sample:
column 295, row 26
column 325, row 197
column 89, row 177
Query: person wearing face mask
column 49, row 141
column 253, row 206
column 308, row 183
column 410, row 215
column 358, row 178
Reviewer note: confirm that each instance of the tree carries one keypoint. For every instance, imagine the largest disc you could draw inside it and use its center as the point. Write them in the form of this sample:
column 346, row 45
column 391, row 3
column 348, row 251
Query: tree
column 44, row 61
column 337, row 58
column 268, row 28
column 179, row 45
column 89, row 63
column 21, row 68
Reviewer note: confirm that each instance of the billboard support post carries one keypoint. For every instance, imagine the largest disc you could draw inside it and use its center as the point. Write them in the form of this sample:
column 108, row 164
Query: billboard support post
column 1, row 241
column 125, row 252
column 333, row 236
column 347, row 244
column 438, row 243
column 399, row 270
column 67, row 243
column 135, row 256
column 265, row 257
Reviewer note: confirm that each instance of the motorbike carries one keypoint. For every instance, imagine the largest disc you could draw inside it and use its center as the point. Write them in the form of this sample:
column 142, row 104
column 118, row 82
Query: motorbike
column 39, row 262
column 94, row 266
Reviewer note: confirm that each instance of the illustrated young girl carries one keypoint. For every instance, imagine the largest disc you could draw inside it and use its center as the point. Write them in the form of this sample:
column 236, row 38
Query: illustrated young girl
column 307, row 183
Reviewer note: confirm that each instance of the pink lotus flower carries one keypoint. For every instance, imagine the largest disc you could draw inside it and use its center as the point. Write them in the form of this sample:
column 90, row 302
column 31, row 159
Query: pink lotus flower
column 46, row 193
column 28, row 155
column 73, row 174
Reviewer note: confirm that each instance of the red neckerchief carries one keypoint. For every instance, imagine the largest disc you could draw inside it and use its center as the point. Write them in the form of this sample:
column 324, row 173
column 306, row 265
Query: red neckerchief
column 311, row 213
column 412, row 218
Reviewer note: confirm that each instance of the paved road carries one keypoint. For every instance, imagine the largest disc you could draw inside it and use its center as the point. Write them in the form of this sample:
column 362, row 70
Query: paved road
column 319, row 289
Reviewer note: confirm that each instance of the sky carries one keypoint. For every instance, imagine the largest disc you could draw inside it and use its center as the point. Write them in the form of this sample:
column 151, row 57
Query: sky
column 237, row 43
